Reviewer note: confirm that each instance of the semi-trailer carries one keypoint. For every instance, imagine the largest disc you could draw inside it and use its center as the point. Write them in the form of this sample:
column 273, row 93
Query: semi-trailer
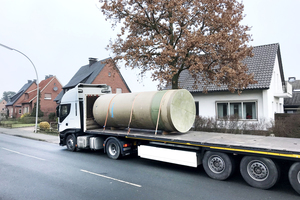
column 155, row 125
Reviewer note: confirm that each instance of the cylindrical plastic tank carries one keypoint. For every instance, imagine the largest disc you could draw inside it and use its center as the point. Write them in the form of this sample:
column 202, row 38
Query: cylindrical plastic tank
column 173, row 110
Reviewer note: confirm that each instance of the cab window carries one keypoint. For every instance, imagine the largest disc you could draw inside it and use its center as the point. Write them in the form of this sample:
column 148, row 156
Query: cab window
column 64, row 111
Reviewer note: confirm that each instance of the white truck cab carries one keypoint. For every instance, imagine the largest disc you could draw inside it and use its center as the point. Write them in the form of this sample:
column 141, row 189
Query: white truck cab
column 70, row 112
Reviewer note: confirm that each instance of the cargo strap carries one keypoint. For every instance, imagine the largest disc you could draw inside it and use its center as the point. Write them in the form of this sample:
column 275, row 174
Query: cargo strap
column 159, row 111
column 130, row 118
column 107, row 112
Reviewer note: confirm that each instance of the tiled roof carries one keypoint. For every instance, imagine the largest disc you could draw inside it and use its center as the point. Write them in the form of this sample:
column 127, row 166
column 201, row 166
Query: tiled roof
column 14, row 98
column 86, row 74
column 42, row 85
column 261, row 64
column 295, row 100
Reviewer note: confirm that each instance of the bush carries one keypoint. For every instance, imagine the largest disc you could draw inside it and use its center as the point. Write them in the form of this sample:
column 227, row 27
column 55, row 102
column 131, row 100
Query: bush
column 285, row 125
column 52, row 117
column 44, row 126
column 27, row 120
column 25, row 115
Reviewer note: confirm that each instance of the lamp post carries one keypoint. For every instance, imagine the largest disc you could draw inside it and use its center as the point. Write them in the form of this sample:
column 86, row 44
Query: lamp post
column 37, row 80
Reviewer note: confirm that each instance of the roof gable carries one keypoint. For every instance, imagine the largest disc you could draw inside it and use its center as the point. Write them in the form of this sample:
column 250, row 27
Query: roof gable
column 86, row 74
column 261, row 64
column 14, row 98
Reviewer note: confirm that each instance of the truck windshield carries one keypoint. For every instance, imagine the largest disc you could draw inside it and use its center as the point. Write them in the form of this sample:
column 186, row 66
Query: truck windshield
column 64, row 111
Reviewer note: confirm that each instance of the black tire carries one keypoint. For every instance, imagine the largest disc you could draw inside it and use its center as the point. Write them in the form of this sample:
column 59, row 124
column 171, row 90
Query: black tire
column 113, row 149
column 294, row 176
column 219, row 166
column 71, row 143
column 259, row 172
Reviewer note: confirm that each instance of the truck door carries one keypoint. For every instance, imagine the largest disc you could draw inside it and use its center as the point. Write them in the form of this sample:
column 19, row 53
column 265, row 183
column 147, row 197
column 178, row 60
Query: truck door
column 63, row 112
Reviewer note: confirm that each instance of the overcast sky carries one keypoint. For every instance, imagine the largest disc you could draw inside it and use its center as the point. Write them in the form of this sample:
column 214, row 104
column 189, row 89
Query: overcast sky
column 60, row 35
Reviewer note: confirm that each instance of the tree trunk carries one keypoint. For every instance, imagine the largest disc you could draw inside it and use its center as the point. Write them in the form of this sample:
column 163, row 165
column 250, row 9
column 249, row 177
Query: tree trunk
column 175, row 81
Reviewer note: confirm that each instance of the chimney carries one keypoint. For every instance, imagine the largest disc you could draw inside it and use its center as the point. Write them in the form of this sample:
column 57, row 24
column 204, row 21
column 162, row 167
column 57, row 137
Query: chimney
column 48, row 76
column 92, row 61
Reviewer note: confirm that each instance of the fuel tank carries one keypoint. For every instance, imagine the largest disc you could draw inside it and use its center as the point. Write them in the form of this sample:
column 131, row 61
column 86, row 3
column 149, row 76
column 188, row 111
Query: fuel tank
column 171, row 110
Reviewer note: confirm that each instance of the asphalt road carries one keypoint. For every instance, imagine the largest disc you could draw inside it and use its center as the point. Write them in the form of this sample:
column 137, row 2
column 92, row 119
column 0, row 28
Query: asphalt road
column 32, row 169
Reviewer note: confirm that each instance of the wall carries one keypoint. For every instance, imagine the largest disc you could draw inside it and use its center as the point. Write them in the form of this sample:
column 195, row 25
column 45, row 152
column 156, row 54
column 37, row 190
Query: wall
column 47, row 105
column 111, row 77
column 275, row 104
column 2, row 108
column 18, row 104
column 207, row 102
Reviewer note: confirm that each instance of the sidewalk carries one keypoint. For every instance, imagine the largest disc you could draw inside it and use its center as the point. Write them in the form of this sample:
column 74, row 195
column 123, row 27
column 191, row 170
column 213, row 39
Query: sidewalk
column 28, row 132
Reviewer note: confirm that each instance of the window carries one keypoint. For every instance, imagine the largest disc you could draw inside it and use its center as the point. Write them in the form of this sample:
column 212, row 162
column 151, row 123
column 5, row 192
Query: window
column 240, row 110
column 64, row 111
column 48, row 96
column 197, row 107
column 118, row 90
column 20, row 111
column 25, row 110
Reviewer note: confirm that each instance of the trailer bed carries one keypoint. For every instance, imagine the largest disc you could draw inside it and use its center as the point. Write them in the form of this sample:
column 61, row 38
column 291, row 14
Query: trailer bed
column 250, row 144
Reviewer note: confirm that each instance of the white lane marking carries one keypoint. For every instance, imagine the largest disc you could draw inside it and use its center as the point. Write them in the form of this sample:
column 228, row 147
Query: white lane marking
column 23, row 154
column 136, row 185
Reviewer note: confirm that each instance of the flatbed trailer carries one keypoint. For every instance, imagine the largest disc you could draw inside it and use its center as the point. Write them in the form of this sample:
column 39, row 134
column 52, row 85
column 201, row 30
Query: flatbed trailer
column 277, row 147
column 258, row 157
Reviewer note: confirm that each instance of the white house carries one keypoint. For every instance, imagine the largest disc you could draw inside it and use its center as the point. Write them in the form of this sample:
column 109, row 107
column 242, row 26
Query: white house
column 257, row 101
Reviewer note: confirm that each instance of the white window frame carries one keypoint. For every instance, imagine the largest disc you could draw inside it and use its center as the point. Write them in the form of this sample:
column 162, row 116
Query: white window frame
column 118, row 90
column 48, row 98
column 242, row 108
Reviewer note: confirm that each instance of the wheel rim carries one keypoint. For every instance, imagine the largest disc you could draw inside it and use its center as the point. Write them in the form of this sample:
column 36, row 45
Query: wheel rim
column 113, row 149
column 257, row 170
column 298, row 177
column 216, row 164
column 70, row 144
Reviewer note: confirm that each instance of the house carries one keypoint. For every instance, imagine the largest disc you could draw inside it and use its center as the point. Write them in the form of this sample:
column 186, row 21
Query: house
column 97, row 72
column 14, row 105
column 3, row 110
column 258, row 101
column 23, row 102
column 292, row 105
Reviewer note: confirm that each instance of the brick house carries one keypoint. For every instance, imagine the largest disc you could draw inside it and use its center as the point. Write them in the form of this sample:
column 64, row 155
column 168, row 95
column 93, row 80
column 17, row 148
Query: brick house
column 14, row 105
column 2, row 108
column 97, row 72
column 23, row 102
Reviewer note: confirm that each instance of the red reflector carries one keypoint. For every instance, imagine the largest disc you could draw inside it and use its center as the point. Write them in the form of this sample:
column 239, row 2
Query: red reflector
column 125, row 145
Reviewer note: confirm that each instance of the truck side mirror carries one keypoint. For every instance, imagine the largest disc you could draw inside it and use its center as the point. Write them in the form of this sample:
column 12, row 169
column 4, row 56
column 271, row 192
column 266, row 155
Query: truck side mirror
column 57, row 111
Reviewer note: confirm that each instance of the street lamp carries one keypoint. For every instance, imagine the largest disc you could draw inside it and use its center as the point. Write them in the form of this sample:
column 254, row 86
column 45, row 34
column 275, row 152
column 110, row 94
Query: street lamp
column 37, row 80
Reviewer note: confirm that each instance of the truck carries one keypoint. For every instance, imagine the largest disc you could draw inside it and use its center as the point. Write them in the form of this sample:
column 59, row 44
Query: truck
column 156, row 125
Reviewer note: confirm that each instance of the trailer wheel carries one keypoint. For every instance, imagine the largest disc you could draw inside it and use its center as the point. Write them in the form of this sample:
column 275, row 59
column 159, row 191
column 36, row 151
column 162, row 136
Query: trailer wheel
column 294, row 176
column 113, row 149
column 259, row 172
column 71, row 144
column 218, row 165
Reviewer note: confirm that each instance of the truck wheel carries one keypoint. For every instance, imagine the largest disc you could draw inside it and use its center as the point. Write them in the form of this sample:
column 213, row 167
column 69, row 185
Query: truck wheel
column 71, row 144
column 218, row 165
column 113, row 149
column 294, row 176
column 259, row 172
